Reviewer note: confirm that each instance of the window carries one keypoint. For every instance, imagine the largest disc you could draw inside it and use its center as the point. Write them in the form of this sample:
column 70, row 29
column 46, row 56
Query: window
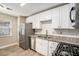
column 5, row 28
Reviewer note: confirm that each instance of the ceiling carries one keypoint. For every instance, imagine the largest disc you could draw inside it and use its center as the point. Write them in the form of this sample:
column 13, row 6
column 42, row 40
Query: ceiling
column 29, row 8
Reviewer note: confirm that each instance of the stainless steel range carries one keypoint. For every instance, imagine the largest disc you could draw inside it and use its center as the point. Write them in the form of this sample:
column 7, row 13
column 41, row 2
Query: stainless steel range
column 65, row 49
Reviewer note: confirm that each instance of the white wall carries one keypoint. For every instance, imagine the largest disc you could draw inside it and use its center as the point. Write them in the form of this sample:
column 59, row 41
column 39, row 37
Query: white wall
column 6, row 40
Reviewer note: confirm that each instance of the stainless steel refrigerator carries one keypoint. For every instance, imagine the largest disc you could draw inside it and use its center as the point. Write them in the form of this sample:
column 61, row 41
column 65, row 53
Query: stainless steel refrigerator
column 24, row 35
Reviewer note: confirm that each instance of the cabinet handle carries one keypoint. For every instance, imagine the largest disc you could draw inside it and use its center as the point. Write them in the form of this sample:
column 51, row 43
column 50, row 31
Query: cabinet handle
column 72, row 20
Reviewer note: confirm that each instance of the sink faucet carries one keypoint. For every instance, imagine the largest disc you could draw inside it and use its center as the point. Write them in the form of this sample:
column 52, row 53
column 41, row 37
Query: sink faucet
column 46, row 33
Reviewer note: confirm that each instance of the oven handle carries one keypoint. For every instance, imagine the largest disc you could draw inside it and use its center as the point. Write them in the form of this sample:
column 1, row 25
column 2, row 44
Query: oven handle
column 73, row 8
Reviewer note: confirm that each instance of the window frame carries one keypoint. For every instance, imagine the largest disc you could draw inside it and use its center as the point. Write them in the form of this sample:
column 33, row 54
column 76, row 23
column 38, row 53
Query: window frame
column 10, row 26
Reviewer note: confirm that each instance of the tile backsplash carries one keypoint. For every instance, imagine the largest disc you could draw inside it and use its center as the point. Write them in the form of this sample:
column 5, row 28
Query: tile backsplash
column 51, row 30
column 45, row 27
column 68, row 32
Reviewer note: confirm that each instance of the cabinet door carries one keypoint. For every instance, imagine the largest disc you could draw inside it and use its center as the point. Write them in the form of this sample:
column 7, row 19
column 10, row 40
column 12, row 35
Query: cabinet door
column 55, row 17
column 45, row 15
column 65, row 16
column 29, row 19
column 38, row 45
column 42, row 46
column 36, row 22
column 44, row 50
column 32, row 42
column 52, row 47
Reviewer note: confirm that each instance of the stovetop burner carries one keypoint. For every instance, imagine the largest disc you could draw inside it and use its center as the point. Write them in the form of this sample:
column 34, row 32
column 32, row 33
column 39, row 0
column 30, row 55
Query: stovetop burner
column 65, row 49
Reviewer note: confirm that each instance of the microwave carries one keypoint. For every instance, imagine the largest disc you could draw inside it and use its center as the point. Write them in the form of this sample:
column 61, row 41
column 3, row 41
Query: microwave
column 74, row 15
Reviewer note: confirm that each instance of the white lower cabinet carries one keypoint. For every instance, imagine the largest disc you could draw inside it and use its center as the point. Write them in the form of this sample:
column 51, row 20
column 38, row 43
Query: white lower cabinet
column 38, row 44
column 42, row 46
column 33, row 39
column 45, row 47
column 52, row 47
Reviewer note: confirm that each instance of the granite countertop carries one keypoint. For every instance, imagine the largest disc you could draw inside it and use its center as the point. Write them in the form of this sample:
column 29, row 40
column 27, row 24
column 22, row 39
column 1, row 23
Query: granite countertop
column 60, row 38
column 43, row 35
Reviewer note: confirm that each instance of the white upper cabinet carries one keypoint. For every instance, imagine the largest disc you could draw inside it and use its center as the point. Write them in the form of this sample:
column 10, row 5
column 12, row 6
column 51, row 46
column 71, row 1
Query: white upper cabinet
column 55, row 17
column 36, row 22
column 29, row 19
column 60, row 17
column 65, row 16
column 45, row 15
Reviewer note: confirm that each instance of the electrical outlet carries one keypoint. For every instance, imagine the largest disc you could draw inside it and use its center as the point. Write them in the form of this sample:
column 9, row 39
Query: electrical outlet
column 60, row 32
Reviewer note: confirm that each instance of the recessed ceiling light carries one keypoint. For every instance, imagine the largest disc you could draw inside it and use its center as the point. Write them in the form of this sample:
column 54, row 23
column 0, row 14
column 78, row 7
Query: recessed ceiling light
column 22, row 4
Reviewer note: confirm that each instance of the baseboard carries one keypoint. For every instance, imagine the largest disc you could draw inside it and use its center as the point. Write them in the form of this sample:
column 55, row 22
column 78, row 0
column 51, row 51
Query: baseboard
column 1, row 47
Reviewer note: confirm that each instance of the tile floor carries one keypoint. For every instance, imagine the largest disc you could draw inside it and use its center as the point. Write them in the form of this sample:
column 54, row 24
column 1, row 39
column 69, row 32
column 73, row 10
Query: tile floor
column 17, row 51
